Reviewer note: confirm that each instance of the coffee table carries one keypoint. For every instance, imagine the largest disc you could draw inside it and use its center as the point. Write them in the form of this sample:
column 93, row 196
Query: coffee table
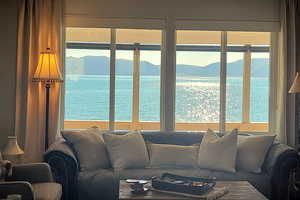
column 238, row 190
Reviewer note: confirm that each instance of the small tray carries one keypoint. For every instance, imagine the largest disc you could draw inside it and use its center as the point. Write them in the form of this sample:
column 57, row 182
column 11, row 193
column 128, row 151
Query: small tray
column 183, row 184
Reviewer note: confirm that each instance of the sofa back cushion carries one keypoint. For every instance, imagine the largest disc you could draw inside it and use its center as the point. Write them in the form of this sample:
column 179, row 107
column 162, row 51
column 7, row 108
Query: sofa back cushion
column 218, row 153
column 170, row 155
column 252, row 151
column 89, row 148
column 127, row 151
column 179, row 138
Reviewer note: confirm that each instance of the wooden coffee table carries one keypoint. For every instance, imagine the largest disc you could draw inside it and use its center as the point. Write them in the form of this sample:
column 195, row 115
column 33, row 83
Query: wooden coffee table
column 238, row 190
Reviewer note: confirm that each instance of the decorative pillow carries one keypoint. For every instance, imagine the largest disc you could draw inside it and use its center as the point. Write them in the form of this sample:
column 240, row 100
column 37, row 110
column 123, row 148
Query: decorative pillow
column 252, row 151
column 169, row 155
column 127, row 151
column 218, row 153
column 89, row 147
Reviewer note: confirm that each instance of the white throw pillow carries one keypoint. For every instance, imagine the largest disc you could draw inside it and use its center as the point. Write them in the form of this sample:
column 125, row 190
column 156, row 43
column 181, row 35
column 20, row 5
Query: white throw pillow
column 89, row 147
column 127, row 151
column 252, row 151
column 218, row 153
column 170, row 155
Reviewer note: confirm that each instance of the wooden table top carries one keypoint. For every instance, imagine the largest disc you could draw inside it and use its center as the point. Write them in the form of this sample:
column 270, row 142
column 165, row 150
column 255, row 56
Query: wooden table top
column 238, row 190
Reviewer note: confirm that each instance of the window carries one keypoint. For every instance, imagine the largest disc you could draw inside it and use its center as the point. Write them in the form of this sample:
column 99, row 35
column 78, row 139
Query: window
column 250, row 69
column 87, row 76
column 199, row 84
column 126, row 98
column 197, row 79
column 113, row 79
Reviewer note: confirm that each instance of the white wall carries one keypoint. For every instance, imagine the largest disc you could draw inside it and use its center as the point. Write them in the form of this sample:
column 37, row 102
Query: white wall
column 8, row 47
column 232, row 10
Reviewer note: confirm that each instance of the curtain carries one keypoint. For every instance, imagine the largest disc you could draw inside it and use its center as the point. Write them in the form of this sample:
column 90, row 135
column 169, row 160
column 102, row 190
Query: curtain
column 40, row 26
column 285, row 122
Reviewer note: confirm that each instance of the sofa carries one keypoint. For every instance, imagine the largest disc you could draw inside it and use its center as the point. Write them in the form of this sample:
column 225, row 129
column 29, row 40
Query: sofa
column 273, row 181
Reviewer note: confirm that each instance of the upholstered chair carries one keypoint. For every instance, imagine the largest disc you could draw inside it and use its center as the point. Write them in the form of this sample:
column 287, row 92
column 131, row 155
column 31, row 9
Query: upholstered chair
column 31, row 181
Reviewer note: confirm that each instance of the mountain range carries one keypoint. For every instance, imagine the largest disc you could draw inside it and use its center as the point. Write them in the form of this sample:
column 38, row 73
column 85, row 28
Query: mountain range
column 93, row 65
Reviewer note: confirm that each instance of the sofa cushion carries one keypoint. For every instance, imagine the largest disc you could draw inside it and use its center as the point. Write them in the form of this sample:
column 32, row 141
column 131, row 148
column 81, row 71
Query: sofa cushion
column 148, row 173
column 89, row 148
column 218, row 153
column 47, row 191
column 127, row 151
column 97, row 184
column 168, row 155
column 252, row 151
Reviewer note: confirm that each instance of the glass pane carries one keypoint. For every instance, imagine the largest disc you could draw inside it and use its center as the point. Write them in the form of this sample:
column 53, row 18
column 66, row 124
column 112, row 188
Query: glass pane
column 99, row 35
column 149, row 86
column 234, row 87
column 259, row 92
column 197, row 88
column 131, row 36
column 248, row 38
column 197, row 79
column 87, row 84
column 123, row 91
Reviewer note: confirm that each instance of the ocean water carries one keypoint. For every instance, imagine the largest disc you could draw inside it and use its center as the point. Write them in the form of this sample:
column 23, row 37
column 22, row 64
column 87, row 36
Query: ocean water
column 197, row 98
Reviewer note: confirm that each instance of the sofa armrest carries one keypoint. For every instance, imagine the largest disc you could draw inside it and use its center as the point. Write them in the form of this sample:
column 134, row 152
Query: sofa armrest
column 17, row 187
column 280, row 161
column 65, row 168
column 32, row 173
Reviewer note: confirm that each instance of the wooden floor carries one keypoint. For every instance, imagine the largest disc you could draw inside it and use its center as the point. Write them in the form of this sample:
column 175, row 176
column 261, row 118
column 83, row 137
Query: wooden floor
column 238, row 190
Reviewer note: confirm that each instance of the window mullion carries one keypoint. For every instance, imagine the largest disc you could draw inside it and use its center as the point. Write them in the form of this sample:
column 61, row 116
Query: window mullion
column 223, row 70
column 136, row 88
column 168, row 77
column 112, row 84
column 246, row 85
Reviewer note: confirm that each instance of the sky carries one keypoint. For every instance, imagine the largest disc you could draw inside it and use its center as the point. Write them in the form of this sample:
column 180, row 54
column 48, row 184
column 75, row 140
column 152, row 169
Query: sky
column 183, row 57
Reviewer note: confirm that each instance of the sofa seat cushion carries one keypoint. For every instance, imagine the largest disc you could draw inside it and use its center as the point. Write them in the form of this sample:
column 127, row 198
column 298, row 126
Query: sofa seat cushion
column 97, row 184
column 150, row 172
column 47, row 191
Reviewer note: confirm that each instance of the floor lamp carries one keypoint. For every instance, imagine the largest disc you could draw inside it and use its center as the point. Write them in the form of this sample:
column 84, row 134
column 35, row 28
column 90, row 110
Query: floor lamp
column 48, row 73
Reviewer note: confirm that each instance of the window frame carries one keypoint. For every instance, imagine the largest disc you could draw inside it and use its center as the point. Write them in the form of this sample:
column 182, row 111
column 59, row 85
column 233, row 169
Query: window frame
column 167, row 115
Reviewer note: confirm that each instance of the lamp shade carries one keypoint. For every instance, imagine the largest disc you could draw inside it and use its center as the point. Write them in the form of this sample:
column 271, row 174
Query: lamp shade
column 296, row 85
column 47, row 69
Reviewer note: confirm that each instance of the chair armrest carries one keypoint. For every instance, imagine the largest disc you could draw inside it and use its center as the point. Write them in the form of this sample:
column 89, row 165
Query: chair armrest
column 65, row 168
column 17, row 187
column 32, row 173
column 280, row 161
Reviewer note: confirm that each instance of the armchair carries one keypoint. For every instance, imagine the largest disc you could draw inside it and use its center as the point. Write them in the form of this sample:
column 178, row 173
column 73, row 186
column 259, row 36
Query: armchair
column 32, row 181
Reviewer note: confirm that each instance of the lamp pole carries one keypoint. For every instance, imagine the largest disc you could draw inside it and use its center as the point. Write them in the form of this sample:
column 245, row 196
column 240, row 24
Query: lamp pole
column 47, row 86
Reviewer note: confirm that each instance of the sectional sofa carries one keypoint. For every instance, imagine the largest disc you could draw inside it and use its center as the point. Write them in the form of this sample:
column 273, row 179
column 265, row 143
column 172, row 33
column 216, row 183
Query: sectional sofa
column 273, row 181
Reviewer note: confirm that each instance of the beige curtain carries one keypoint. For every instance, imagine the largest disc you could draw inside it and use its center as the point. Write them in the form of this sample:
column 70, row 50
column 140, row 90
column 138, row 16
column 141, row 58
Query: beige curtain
column 285, row 122
column 40, row 26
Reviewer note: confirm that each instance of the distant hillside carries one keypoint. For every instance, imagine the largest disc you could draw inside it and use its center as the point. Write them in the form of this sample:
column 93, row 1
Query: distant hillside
column 99, row 65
